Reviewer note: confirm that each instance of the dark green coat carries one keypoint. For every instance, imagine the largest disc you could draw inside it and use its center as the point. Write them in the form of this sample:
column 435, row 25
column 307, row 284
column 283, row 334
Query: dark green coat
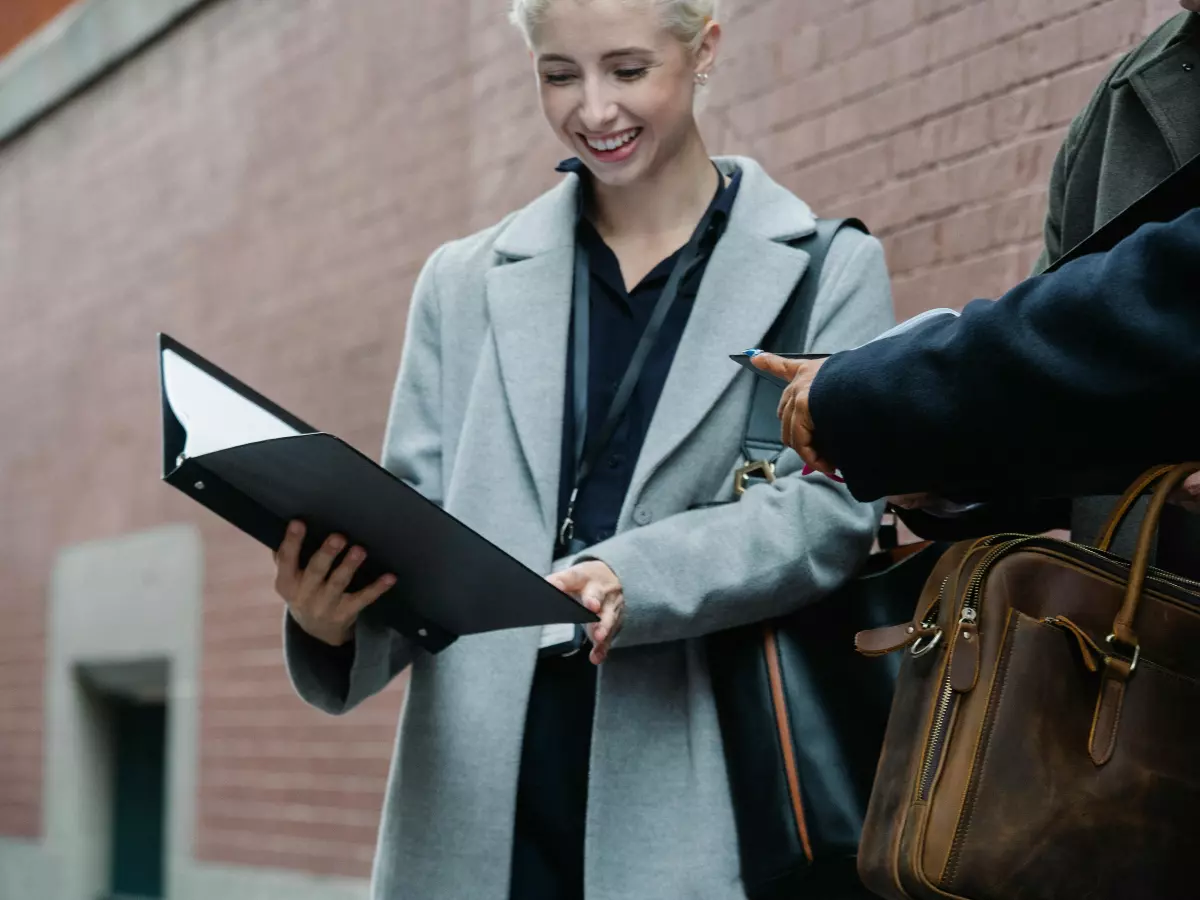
column 1142, row 124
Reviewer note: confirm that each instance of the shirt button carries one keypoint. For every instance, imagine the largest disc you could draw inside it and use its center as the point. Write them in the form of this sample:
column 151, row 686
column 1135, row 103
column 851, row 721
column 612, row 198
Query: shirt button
column 643, row 516
column 615, row 460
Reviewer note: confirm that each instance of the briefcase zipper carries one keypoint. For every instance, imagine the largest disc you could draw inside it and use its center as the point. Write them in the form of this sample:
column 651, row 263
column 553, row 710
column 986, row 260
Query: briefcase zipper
column 943, row 712
column 933, row 753
column 964, row 821
column 1152, row 573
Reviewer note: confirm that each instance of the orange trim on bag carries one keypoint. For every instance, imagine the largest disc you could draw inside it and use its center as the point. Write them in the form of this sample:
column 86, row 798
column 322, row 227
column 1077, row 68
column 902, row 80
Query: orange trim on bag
column 775, row 676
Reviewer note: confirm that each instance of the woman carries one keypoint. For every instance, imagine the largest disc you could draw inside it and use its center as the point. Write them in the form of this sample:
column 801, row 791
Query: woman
column 523, row 770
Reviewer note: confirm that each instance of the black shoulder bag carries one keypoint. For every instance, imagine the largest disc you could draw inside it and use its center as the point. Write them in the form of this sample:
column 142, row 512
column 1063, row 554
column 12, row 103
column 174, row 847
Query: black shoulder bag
column 803, row 715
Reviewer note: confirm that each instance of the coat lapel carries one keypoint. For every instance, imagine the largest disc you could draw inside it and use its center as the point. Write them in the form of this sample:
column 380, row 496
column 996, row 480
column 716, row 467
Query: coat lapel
column 725, row 319
column 747, row 283
column 529, row 307
column 1167, row 87
column 529, row 303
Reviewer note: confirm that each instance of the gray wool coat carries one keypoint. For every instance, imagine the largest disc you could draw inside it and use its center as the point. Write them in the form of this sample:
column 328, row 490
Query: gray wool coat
column 475, row 425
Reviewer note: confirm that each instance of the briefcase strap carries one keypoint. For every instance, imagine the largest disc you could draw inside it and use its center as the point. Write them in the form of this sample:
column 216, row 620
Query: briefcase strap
column 761, row 445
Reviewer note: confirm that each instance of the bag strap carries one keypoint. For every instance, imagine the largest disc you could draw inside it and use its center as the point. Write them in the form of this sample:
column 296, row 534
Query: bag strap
column 1118, row 668
column 1167, row 480
column 1121, row 511
column 760, row 442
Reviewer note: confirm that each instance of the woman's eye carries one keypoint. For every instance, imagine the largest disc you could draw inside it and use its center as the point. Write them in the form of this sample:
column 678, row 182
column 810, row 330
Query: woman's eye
column 631, row 74
column 557, row 77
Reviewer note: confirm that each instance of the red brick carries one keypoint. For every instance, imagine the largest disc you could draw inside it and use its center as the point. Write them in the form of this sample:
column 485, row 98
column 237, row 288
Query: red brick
column 843, row 37
column 800, row 53
column 886, row 18
column 850, row 173
column 1108, row 28
column 958, row 284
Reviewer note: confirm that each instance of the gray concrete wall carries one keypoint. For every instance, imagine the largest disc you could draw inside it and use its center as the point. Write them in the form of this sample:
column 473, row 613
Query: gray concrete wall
column 82, row 43
column 125, row 614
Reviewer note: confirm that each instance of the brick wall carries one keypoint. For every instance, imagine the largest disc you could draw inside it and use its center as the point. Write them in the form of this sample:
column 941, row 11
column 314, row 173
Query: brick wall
column 264, row 184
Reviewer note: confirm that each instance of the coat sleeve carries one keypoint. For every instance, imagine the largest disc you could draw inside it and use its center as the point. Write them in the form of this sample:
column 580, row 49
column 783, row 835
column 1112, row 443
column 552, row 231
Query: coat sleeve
column 336, row 679
column 781, row 545
column 1056, row 196
column 1069, row 384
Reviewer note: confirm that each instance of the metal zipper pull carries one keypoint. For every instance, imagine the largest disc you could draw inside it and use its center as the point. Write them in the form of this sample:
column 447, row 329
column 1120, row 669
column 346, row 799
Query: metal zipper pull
column 889, row 638
column 964, row 661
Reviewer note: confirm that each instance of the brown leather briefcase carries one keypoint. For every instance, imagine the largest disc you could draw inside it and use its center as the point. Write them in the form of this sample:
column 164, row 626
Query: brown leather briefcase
column 1044, row 738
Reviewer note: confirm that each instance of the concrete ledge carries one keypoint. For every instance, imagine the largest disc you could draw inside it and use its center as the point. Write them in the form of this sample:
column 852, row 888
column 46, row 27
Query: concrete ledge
column 30, row 871
column 204, row 881
column 82, row 43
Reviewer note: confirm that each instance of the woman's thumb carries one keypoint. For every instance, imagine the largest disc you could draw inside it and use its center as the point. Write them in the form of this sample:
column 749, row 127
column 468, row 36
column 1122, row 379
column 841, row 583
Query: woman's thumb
column 569, row 581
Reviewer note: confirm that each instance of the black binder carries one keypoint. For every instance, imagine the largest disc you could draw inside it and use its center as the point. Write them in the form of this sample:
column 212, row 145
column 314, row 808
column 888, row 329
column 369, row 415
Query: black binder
column 451, row 581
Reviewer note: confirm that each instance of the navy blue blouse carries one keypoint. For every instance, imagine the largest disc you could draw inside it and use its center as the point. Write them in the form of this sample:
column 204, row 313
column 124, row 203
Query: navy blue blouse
column 618, row 318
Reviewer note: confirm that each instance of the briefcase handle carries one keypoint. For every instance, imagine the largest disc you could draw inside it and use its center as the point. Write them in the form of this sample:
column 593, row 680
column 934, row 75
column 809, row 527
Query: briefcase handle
column 1168, row 480
column 1119, row 667
column 1123, row 507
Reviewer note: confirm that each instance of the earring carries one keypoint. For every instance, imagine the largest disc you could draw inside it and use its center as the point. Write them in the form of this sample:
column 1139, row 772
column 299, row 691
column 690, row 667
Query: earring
column 701, row 78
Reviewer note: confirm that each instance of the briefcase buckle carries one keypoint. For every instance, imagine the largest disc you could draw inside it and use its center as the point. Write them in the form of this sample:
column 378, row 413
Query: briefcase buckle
column 763, row 468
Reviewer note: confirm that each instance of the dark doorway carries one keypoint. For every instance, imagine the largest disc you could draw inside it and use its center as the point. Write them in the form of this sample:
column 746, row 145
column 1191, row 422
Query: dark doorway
column 129, row 720
column 139, row 798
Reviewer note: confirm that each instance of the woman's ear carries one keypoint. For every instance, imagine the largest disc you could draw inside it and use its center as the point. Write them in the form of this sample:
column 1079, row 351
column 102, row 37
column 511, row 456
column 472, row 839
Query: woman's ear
column 706, row 50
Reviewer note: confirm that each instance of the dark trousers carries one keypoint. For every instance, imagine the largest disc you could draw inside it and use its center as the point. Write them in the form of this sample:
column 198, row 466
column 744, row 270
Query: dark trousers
column 547, row 861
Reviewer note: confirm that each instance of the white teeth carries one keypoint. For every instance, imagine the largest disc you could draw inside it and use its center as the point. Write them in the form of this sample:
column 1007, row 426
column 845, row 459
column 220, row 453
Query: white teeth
column 613, row 143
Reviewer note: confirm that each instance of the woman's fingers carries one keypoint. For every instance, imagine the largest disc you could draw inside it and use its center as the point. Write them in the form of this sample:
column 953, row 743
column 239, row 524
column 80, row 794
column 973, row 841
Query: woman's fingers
column 317, row 569
column 357, row 602
column 594, row 598
column 606, row 630
column 785, row 400
column 287, row 560
column 598, row 589
column 344, row 573
column 786, row 419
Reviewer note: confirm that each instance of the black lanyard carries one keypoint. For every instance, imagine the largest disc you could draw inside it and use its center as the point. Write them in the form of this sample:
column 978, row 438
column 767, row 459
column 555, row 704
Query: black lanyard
column 586, row 456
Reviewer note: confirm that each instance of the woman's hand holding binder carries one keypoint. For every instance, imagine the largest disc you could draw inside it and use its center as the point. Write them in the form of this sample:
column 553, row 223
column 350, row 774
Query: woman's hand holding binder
column 597, row 587
column 317, row 598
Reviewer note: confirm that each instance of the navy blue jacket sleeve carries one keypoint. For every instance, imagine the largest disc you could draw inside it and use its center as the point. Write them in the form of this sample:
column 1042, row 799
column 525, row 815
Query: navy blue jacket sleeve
column 1070, row 383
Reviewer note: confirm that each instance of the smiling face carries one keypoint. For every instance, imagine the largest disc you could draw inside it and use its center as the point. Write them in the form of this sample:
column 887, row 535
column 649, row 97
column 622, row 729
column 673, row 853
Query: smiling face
column 617, row 86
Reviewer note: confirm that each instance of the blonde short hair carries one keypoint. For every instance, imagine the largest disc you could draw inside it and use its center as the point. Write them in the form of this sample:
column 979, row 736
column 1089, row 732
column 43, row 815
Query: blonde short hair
column 685, row 18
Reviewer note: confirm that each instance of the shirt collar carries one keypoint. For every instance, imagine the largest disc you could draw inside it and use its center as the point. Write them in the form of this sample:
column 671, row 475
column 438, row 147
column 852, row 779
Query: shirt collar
column 574, row 165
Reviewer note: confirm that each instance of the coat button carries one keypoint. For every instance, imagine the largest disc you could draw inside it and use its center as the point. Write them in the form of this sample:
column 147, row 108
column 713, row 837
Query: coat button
column 1187, row 67
column 643, row 516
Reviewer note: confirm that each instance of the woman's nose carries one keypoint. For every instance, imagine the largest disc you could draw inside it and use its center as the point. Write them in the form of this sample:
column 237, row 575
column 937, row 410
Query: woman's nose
column 598, row 108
